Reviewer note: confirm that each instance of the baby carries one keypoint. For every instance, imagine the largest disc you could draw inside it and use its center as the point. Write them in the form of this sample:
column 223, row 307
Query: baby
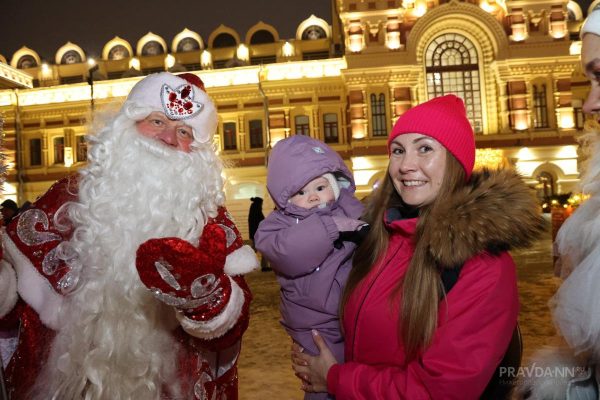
column 310, row 238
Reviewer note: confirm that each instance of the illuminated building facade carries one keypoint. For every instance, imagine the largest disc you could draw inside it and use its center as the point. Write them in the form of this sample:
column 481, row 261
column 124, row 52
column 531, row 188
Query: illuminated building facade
column 514, row 62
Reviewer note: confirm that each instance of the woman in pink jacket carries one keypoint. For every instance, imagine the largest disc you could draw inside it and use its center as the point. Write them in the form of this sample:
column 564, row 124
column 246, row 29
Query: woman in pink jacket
column 432, row 220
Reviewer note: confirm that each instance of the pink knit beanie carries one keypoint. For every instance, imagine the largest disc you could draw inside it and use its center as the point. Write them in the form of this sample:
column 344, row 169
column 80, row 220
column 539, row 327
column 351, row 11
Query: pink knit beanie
column 444, row 119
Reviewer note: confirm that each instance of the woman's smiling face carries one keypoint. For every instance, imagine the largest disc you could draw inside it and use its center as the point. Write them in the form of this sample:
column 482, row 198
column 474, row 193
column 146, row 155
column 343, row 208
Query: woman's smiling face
column 417, row 167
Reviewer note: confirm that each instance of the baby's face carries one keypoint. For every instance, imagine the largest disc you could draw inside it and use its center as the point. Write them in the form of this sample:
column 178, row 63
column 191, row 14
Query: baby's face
column 316, row 192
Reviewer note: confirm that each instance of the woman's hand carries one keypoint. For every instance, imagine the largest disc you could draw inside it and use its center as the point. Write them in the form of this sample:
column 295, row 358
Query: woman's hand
column 312, row 370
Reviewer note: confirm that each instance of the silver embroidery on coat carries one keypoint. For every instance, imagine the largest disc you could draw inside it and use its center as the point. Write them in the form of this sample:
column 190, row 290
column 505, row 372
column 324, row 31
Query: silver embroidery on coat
column 229, row 234
column 215, row 299
column 200, row 391
column 163, row 268
column 68, row 282
column 203, row 285
column 26, row 228
column 50, row 262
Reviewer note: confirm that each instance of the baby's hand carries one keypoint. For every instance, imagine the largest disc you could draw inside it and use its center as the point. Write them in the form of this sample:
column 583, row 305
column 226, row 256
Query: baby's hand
column 345, row 224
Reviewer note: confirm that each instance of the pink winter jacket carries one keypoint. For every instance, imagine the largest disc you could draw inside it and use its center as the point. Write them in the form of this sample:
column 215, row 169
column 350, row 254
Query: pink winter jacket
column 475, row 325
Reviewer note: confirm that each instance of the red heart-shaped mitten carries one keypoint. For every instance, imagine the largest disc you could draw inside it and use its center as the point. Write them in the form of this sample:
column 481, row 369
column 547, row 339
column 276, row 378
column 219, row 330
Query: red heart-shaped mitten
column 186, row 277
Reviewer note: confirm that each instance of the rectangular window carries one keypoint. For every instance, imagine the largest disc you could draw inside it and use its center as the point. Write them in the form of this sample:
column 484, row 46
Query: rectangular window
column 330, row 128
column 302, row 125
column 81, row 148
column 315, row 55
column 35, row 152
column 229, row 136
column 219, row 64
column 256, row 134
column 68, row 80
column 59, row 150
column 540, row 107
column 263, row 60
column 378, row 115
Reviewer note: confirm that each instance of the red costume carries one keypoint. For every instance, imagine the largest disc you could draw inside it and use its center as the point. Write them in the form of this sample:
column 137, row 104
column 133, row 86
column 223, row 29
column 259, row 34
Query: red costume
column 210, row 328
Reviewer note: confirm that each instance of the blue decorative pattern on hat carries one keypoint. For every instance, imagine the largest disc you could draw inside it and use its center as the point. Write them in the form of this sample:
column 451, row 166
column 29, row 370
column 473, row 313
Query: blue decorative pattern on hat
column 319, row 150
column 179, row 103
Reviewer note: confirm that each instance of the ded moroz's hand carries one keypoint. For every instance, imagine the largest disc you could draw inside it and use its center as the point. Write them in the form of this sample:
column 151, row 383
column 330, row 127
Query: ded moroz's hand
column 189, row 278
column 312, row 370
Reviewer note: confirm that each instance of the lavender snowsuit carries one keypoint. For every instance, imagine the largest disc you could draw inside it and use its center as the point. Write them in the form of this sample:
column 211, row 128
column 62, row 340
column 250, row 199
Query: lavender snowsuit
column 299, row 243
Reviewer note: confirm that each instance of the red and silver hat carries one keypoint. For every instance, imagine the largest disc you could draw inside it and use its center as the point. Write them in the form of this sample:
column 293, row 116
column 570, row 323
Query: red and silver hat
column 182, row 98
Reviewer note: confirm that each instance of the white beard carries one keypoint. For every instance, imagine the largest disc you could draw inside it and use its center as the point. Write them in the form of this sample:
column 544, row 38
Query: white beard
column 116, row 340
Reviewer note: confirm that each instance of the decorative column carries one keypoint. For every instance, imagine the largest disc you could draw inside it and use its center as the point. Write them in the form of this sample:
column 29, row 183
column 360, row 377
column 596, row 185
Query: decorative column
column 241, row 125
column 286, row 122
column 316, row 123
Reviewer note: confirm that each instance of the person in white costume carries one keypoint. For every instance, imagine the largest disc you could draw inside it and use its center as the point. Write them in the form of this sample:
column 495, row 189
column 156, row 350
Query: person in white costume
column 573, row 371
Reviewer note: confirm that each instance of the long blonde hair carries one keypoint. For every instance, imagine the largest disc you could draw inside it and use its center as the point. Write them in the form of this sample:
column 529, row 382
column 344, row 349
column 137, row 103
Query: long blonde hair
column 421, row 287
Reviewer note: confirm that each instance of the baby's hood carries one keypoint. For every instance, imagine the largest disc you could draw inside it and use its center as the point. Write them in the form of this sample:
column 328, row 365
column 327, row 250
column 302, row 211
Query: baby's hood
column 297, row 160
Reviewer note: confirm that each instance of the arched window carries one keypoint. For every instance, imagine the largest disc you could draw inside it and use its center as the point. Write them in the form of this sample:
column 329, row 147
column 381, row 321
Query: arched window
column 545, row 186
column 152, row 48
column 540, row 107
column 118, row 52
column 27, row 61
column 224, row 40
column 314, row 32
column 302, row 125
column 262, row 36
column 378, row 114
column 451, row 65
column 188, row 44
column 71, row 57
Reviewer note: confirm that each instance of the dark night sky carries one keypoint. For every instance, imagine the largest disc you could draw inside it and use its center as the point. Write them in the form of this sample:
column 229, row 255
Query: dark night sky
column 45, row 25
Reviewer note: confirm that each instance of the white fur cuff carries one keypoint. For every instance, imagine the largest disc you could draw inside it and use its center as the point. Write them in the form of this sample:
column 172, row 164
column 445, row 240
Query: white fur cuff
column 8, row 288
column 32, row 286
column 220, row 324
column 241, row 261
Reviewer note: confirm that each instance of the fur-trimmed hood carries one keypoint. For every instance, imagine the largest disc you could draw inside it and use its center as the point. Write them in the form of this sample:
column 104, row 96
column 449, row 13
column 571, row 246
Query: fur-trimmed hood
column 496, row 212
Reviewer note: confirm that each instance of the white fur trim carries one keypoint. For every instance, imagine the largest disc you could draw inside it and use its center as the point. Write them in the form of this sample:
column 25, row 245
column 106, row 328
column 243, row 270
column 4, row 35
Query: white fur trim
column 333, row 183
column 8, row 288
column 33, row 287
column 592, row 23
column 220, row 324
column 241, row 261
column 147, row 92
